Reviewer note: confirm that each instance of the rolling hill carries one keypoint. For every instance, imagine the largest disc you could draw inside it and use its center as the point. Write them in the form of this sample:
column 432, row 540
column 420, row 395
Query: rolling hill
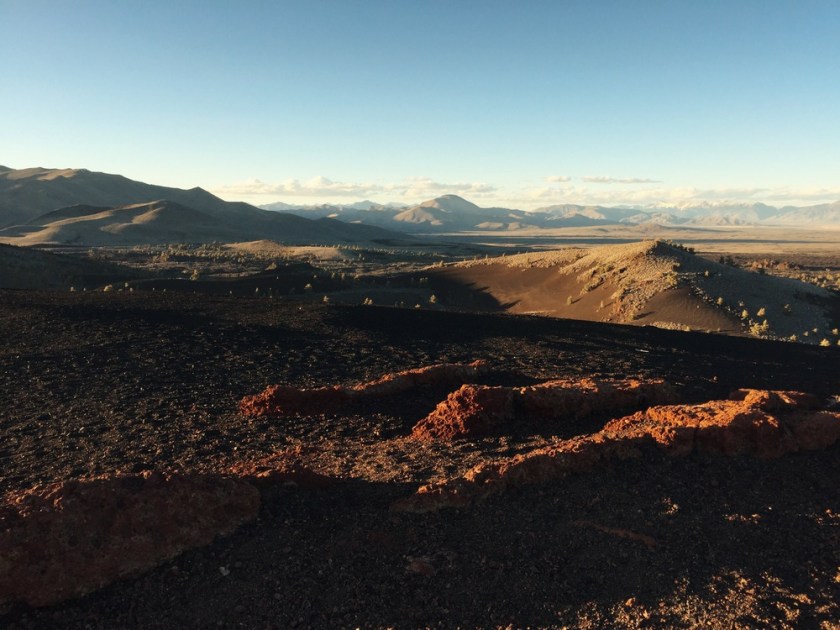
column 44, row 206
column 648, row 283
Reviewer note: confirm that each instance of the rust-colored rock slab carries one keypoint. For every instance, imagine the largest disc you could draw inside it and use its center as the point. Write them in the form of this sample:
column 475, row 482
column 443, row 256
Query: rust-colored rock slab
column 280, row 469
column 67, row 539
column 282, row 400
column 754, row 422
column 580, row 398
column 474, row 410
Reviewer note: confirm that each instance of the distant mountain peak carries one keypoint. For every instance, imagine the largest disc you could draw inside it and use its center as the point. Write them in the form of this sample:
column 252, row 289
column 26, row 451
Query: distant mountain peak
column 450, row 203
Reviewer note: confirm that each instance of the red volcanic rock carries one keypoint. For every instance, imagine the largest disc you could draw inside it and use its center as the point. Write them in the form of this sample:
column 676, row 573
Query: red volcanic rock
column 67, row 539
column 471, row 411
column 769, row 400
column 281, row 400
column 539, row 466
column 475, row 410
column 760, row 423
column 450, row 374
column 278, row 469
column 815, row 430
column 579, row 398
column 756, row 422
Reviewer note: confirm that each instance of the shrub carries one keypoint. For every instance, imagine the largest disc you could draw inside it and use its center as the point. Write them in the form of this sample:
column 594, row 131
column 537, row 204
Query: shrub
column 825, row 343
column 759, row 330
column 761, row 312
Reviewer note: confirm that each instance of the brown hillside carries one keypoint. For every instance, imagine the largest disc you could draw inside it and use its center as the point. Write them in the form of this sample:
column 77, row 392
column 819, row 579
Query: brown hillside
column 25, row 268
column 647, row 283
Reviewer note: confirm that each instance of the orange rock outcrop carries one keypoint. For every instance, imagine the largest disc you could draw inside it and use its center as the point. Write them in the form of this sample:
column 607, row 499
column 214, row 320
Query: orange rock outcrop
column 475, row 410
column 67, row 539
column 754, row 422
column 281, row 400
column 64, row 540
column 279, row 469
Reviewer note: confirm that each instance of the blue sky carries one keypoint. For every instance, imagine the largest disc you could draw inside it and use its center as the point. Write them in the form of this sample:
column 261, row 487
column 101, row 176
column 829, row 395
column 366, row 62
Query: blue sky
column 519, row 104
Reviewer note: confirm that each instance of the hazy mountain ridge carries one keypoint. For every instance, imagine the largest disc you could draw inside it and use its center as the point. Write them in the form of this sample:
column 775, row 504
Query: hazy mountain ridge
column 67, row 206
column 451, row 213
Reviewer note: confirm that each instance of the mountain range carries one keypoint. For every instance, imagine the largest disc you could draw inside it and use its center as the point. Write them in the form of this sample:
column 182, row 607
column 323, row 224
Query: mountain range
column 451, row 213
column 81, row 207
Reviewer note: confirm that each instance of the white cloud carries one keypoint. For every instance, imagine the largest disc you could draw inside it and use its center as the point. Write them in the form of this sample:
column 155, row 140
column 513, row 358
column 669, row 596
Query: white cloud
column 424, row 187
column 315, row 187
column 419, row 188
column 677, row 196
column 555, row 190
column 603, row 179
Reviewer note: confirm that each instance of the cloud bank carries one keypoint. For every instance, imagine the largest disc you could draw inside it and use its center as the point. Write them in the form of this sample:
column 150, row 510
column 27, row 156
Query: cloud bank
column 672, row 196
column 413, row 187
column 604, row 179
column 556, row 189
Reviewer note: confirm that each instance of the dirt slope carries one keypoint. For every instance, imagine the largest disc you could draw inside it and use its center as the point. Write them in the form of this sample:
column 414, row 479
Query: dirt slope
column 646, row 283
column 24, row 268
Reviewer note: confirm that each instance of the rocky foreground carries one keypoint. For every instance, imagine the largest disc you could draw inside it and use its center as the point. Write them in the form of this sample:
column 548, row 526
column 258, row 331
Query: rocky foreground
column 182, row 461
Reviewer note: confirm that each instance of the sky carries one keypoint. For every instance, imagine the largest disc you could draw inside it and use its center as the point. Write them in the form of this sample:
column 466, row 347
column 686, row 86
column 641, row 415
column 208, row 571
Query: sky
column 516, row 104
